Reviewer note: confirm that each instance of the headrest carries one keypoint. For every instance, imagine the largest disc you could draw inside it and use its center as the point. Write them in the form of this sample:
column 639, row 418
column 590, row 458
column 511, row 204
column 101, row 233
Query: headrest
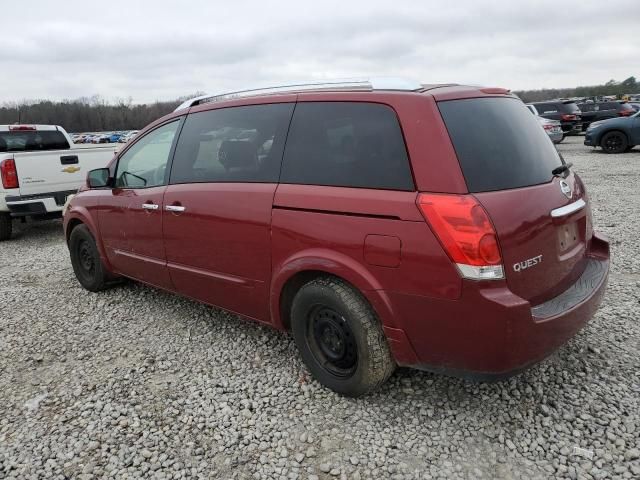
column 237, row 154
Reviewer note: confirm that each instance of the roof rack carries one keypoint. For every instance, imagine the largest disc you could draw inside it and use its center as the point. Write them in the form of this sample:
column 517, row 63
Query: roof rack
column 367, row 85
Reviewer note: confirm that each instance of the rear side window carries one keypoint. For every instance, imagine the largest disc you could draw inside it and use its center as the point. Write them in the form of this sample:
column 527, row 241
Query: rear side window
column 236, row 144
column 30, row 141
column 499, row 144
column 570, row 107
column 346, row 144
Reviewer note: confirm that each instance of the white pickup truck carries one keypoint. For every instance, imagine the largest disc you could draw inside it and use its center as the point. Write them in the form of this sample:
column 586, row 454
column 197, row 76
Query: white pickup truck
column 40, row 166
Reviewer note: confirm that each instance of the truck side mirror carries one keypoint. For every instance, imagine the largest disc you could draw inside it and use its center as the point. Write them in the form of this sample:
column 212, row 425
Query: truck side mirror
column 98, row 178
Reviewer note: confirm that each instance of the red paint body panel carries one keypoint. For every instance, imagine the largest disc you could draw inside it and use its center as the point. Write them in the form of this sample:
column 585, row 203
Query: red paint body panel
column 237, row 245
column 526, row 230
column 219, row 249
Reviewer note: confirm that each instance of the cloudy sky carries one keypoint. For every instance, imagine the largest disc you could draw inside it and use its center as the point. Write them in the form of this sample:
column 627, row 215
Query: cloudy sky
column 161, row 49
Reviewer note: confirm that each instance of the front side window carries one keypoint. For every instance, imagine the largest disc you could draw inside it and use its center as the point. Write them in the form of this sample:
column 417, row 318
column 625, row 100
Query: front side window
column 234, row 144
column 145, row 163
column 346, row 144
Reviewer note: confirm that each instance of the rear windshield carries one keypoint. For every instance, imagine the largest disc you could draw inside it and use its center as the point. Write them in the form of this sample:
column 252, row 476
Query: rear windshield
column 28, row 141
column 499, row 144
column 570, row 107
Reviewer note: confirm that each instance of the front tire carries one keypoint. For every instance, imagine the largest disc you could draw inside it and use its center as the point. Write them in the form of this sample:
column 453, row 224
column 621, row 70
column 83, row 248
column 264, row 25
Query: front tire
column 86, row 261
column 340, row 338
column 614, row 142
column 6, row 226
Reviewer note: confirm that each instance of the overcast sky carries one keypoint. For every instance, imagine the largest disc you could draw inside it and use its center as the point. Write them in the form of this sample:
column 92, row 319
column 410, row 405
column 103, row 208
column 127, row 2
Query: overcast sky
column 163, row 49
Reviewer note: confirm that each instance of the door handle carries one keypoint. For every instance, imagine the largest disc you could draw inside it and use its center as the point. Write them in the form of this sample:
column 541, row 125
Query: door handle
column 150, row 206
column 174, row 208
column 68, row 159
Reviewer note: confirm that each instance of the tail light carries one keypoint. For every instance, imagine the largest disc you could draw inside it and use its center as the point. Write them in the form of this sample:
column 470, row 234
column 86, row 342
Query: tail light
column 9, row 173
column 626, row 113
column 568, row 118
column 548, row 127
column 465, row 232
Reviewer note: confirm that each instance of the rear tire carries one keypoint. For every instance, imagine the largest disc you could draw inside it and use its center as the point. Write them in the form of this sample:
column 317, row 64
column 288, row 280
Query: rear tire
column 6, row 226
column 340, row 338
column 614, row 142
column 86, row 261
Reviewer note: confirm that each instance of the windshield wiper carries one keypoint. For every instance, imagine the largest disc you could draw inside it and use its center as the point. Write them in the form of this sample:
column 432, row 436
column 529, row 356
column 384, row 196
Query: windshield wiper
column 561, row 169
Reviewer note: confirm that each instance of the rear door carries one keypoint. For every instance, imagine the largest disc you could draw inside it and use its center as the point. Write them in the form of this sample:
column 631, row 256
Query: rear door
column 541, row 220
column 217, row 208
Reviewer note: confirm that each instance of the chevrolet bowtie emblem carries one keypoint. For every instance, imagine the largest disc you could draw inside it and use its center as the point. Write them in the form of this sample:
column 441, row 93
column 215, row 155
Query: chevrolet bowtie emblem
column 70, row 169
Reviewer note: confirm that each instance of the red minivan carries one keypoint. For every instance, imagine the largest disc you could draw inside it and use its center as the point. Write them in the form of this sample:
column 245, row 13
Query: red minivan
column 384, row 224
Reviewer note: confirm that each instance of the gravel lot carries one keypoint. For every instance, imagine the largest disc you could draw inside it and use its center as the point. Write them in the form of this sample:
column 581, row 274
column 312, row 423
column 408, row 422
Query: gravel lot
column 134, row 382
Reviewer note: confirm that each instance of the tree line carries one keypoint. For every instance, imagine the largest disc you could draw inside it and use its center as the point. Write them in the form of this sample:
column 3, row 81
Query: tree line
column 612, row 87
column 97, row 115
column 86, row 114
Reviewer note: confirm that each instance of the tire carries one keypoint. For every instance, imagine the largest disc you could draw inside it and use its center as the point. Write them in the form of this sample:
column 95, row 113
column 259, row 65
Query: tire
column 614, row 142
column 6, row 226
column 340, row 338
column 86, row 261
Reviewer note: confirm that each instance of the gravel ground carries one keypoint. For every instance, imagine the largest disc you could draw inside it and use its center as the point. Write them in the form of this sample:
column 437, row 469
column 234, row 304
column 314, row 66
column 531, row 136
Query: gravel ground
column 134, row 383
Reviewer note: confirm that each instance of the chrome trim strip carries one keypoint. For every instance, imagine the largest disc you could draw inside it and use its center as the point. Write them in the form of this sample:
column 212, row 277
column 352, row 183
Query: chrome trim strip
column 567, row 209
column 174, row 208
column 356, row 84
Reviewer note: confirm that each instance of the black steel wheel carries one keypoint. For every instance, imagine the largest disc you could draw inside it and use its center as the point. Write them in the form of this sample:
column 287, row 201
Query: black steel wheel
column 332, row 342
column 340, row 337
column 614, row 142
column 86, row 261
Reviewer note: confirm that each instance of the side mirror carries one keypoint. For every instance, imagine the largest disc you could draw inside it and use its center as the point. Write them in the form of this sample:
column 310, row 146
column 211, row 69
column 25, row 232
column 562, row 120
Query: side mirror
column 98, row 178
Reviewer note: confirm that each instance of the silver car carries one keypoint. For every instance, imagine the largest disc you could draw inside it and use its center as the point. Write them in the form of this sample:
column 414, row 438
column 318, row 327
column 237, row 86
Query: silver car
column 552, row 127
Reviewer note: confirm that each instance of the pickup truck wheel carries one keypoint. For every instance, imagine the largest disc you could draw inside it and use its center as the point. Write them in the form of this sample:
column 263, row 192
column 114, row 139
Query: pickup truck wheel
column 6, row 226
column 85, row 260
column 614, row 142
column 340, row 338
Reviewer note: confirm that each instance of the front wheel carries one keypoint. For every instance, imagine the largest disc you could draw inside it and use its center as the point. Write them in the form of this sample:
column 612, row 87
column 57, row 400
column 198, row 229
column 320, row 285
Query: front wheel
column 614, row 142
column 6, row 226
column 86, row 261
column 340, row 338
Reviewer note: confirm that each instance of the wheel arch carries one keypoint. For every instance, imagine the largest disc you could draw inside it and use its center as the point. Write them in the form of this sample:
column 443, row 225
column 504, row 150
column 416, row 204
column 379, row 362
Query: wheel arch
column 301, row 268
column 80, row 216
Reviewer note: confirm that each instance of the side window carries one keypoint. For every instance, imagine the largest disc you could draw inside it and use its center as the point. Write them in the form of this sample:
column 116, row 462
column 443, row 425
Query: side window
column 235, row 144
column 346, row 144
column 145, row 163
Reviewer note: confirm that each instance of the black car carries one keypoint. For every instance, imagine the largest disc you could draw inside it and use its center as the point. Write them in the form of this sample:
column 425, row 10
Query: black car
column 565, row 111
column 593, row 112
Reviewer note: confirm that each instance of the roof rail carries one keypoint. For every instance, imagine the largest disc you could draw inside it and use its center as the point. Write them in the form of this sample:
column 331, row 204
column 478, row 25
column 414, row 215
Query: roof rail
column 368, row 84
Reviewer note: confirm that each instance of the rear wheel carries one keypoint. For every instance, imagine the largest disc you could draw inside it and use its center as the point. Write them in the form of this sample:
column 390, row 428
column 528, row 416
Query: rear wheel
column 614, row 142
column 6, row 226
column 340, row 338
column 86, row 261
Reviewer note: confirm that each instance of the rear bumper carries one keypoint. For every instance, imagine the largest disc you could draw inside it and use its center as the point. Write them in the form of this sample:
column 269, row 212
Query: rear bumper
column 571, row 127
column 491, row 333
column 39, row 204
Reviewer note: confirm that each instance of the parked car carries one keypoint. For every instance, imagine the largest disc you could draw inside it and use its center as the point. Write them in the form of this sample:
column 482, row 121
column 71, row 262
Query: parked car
column 114, row 137
column 615, row 135
column 552, row 127
column 595, row 111
column 397, row 224
column 129, row 136
column 565, row 111
column 40, row 167
column 635, row 106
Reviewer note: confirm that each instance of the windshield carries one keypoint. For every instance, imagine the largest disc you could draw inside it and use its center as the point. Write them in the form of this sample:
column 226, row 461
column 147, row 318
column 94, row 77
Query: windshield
column 499, row 144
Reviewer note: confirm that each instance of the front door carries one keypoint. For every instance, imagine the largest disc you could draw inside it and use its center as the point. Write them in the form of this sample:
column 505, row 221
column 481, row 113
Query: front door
column 217, row 207
column 131, row 214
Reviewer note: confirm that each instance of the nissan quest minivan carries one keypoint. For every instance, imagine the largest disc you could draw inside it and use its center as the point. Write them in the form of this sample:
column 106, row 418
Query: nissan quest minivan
column 383, row 223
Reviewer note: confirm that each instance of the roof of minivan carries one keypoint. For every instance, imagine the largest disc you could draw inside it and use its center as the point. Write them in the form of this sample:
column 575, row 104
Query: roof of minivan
column 380, row 84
